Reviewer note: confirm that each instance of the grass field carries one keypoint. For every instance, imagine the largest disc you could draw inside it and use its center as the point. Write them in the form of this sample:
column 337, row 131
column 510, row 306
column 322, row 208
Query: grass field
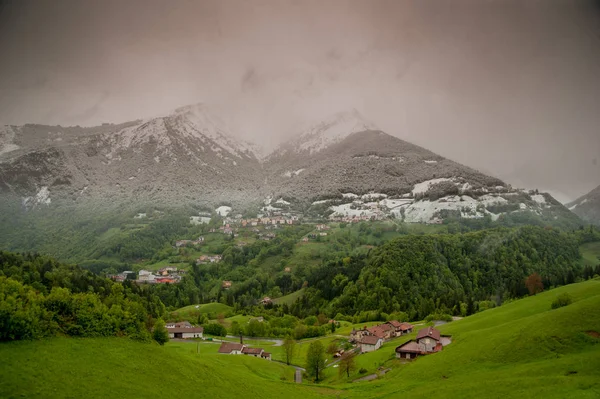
column 518, row 350
column 192, row 312
column 289, row 298
column 590, row 253
column 113, row 368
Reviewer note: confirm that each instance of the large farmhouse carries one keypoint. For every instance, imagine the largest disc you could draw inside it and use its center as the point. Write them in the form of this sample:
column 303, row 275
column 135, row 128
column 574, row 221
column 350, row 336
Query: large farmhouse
column 184, row 330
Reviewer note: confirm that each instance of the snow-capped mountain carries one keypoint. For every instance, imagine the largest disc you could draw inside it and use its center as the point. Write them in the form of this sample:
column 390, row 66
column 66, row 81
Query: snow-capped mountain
column 587, row 207
column 329, row 132
column 187, row 156
column 341, row 167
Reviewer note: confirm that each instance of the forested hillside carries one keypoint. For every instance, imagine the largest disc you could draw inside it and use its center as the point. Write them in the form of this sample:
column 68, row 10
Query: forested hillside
column 448, row 272
column 40, row 297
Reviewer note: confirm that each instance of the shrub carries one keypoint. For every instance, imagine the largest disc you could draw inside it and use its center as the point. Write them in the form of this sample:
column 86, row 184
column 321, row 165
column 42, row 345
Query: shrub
column 362, row 371
column 562, row 300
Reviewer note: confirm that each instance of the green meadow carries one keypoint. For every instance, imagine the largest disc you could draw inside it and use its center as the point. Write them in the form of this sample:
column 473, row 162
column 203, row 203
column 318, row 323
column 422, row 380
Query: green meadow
column 518, row 350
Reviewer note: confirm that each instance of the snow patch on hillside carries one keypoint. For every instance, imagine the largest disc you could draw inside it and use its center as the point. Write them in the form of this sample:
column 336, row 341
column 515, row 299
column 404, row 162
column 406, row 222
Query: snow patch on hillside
column 223, row 210
column 42, row 197
column 538, row 198
column 423, row 187
column 431, row 162
column 196, row 220
column 372, row 196
column 293, row 173
column 282, row 201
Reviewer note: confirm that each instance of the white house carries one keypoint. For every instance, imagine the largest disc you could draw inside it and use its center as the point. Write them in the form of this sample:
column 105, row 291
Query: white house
column 145, row 275
column 370, row 343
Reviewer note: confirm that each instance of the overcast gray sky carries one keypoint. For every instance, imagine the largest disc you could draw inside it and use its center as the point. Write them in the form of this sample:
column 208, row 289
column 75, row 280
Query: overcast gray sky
column 511, row 88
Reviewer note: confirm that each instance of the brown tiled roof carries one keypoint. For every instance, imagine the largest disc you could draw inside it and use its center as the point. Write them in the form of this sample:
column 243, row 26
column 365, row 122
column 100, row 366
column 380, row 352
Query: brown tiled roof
column 265, row 354
column 429, row 332
column 252, row 351
column 395, row 323
column 406, row 326
column 185, row 329
column 410, row 346
column 378, row 331
column 369, row 340
column 228, row 347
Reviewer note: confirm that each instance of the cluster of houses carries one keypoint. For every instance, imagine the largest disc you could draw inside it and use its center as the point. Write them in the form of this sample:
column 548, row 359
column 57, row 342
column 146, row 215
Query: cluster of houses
column 204, row 259
column 429, row 340
column 234, row 348
column 183, row 243
column 184, row 330
column 166, row 275
column 371, row 338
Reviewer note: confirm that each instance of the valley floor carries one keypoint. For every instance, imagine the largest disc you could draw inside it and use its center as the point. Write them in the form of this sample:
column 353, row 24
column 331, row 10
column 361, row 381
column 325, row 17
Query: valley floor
column 521, row 349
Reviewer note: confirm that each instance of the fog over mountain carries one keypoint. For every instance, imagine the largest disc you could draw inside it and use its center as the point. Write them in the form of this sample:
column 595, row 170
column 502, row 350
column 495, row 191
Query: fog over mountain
column 510, row 88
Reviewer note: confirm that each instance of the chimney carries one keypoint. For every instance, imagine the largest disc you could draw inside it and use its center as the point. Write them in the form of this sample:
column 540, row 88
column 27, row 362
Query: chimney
column 241, row 339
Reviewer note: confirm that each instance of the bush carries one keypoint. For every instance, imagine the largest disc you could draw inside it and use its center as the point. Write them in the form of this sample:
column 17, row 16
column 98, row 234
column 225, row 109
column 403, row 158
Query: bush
column 362, row 371
column 439, row 316
column 160, row 333
column 562, row 300
column 215, row 329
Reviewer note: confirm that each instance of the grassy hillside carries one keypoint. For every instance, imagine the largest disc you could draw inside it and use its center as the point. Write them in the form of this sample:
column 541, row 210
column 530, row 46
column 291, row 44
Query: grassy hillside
column 102, row 368
column 524, row 348
column 289, row 298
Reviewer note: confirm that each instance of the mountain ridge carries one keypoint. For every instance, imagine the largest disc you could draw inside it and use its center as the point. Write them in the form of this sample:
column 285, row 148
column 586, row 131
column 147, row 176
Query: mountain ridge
column 191, row 157
column 587, row 206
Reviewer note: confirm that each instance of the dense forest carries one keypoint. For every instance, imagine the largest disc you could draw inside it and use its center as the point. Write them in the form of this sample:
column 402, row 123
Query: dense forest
column 41, row 297
column 419, row 275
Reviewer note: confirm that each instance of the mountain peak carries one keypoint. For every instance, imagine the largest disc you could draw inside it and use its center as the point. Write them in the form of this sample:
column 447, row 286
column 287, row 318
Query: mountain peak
column 331, row 130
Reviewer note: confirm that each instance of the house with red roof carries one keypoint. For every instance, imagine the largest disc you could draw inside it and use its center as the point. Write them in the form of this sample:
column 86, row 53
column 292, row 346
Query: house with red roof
column 231, row 348
column 256, row 352
column 429, row 340
column 400, row 328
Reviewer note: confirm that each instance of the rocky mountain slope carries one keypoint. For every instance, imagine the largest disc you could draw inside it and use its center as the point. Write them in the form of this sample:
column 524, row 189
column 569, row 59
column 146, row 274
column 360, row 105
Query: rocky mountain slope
column 341, row 168
column 587, row 207
column 187, row 156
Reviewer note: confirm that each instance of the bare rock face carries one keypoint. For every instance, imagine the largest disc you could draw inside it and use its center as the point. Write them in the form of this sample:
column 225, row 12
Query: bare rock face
column 340, row 167
column 587, row 207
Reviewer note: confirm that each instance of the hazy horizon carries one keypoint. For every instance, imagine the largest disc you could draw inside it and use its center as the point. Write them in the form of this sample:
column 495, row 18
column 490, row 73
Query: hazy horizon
column 507, row 87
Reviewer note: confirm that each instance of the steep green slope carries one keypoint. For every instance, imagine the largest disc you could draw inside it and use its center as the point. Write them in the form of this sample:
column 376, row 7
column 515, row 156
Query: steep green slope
column 521, row 349
column 103, row 368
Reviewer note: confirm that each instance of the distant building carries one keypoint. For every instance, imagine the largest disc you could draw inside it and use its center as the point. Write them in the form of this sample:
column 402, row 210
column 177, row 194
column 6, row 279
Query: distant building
column 145, row 276
column 231, row 348
column 184, row 330
column 266, row 301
